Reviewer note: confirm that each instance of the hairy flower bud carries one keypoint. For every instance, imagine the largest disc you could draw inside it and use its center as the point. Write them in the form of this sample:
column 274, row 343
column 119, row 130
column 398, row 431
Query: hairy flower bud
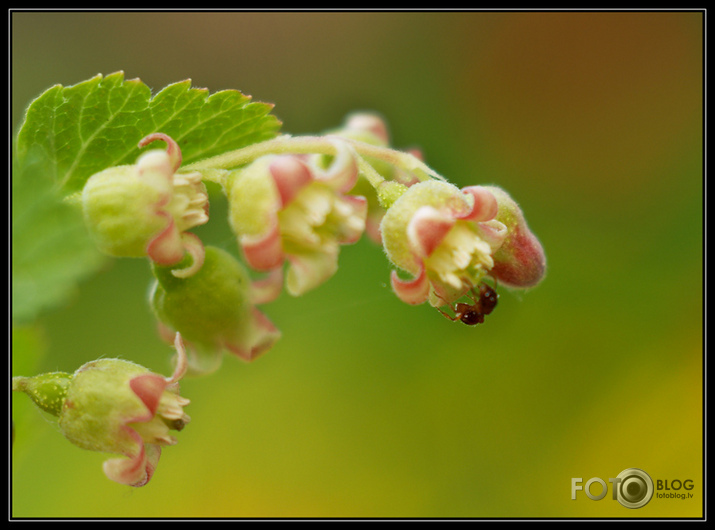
column 115, row 406
column 145, row 209
column 520, row 261
column 366, row 127
column 214, row 310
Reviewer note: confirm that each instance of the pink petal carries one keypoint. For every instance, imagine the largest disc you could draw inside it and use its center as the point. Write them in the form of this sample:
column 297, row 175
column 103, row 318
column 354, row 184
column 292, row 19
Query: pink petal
column 485, row 205
column 135, row 470
column 290, row 175
column 342, row 173
column 148, row 388
column 193, row 245
column 351, row 234
column 166, row 248
column 427, row 229
column 265, row 252
column 261, row 339
column 413, row 291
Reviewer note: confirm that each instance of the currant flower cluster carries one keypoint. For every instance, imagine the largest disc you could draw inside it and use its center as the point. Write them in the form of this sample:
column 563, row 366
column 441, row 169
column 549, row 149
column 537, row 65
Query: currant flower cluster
column 293, row 203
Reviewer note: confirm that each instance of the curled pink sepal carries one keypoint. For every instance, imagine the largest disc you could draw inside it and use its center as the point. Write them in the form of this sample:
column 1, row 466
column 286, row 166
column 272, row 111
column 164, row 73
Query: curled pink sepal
column 193, row 245
column 149, row 388
column 136, row 470
column 484, row 207
column 426, row 230
column 414, row 291
column 265, row 252
column 172, row 148
column 290, row 175
column 342, row 174
column 166, row 248
column 169, row 246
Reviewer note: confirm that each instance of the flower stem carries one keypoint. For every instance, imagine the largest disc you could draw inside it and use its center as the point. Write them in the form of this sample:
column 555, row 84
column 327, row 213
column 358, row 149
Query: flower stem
column 322, row 145
column 370, row 173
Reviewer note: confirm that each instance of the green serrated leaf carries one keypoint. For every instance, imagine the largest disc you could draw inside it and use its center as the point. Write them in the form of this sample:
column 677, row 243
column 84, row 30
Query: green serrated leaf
column 85, row 128
column 51, row 250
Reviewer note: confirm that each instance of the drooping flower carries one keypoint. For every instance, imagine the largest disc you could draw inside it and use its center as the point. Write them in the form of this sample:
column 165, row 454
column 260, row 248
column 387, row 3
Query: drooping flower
column 146, row 209
column 449, row 239
column 215, row 310
column 115, row 406
column 284, row 208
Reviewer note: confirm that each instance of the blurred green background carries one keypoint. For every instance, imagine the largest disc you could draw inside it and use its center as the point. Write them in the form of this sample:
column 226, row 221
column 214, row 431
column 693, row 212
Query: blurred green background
column 368, row 407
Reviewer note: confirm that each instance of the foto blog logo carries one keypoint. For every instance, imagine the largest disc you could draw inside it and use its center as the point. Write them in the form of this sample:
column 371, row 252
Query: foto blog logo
column 633, row 488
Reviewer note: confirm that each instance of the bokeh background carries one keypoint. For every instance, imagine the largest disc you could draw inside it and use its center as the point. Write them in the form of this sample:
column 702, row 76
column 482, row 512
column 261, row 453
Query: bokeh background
column 368, row 407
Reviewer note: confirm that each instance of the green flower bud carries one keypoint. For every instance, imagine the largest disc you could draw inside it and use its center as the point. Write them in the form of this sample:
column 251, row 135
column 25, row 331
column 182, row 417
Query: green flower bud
column 389, row 191
column 115, row 406
column 214, row 310
column 120, row 209
column 144, row 209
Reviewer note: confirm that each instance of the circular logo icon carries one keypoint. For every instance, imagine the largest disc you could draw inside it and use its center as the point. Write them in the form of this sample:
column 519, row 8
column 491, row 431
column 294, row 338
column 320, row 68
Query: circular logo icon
column 635, row 488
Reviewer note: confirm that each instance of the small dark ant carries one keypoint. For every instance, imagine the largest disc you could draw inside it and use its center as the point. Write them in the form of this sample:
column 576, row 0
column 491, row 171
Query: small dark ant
column 473, row 314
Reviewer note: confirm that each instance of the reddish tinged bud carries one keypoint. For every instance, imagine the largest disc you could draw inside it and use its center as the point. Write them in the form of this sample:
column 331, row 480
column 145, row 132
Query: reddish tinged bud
column 520, row 261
